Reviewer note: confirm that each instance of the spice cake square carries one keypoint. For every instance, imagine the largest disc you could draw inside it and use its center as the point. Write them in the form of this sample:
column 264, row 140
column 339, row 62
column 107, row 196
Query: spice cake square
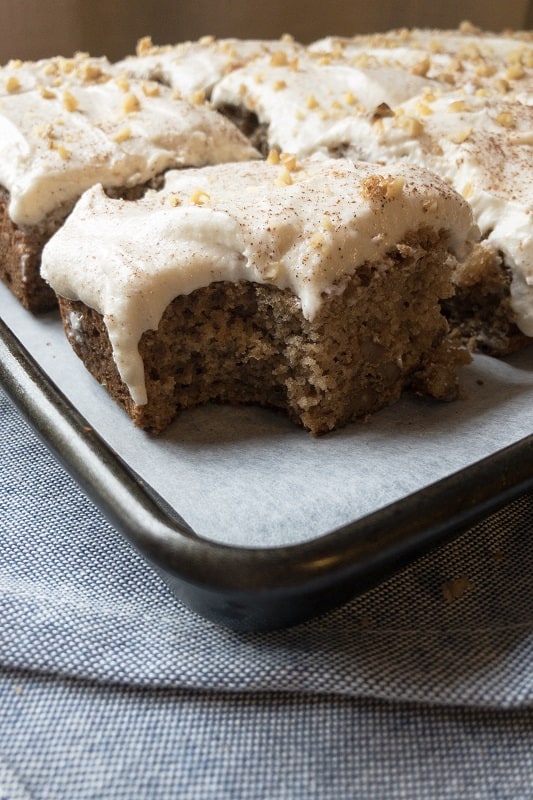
column 83, row 127
column 313, row 287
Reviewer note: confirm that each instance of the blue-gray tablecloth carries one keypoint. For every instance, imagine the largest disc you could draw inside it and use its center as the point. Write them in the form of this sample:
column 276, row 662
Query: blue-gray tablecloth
column 421, row 688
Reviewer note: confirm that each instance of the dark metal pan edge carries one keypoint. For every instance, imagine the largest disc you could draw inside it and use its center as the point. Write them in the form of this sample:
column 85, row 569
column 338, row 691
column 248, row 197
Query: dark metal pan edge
column 256, row 588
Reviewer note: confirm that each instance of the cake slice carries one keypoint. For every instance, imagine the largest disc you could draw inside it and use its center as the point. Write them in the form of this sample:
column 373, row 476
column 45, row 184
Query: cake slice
column 484, row 149
column 58, row 140
column 309, row 287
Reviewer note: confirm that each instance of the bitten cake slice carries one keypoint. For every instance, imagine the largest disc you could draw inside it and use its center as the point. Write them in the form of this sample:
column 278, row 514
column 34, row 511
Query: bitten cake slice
column 311, row 287
column 56, row 141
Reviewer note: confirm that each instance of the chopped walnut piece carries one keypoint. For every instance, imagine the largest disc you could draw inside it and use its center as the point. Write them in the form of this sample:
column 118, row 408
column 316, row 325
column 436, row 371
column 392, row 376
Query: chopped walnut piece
column 151, row 88
column 131, row 103
column 279, row 59
column 62, row 151
column 123, row 83
column 273, row 157
column 515, row 72
column 505, row 119
column 197, row 98
column 423, row 109
column 422, row 67
column 460, row 136
column 457, row 106
column 289, row 161
column 122, row 135
column 12, row 84
column 91, row 72
column 70, row 103
column 501, row 86
column 46, row 93
column 199, row 197
column 144, row 46
column 378, row 188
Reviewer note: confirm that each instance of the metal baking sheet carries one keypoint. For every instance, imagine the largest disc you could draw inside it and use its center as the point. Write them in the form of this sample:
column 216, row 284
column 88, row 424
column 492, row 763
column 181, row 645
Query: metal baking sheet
column 253, row 522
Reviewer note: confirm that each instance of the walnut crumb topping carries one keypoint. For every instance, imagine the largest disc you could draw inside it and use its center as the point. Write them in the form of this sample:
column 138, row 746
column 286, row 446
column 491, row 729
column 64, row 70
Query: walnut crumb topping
column 422, row 67
column 12, row 84
column 284, row 177
column 46, row 93
column 123, row 83
column 279, row 59
column 457, row 106
column 91, row 73
column 151, row 88
column 273, row 157
column 197, row 98
column 411, row 125
column 199, row 197
column 378, row 188
column 122, row 135
column 70, row 103
column 289, row 161
column 144, row 46
column 62, row 151
column 460, row 136
column 505, row 119
column 131, row 103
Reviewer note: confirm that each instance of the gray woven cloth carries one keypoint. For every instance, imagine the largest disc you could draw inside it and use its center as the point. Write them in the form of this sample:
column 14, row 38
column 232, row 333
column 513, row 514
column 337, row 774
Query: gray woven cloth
column 111, row 688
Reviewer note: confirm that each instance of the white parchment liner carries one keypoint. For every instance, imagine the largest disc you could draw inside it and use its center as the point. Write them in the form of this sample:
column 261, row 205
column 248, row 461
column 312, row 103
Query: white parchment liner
column 248, row 476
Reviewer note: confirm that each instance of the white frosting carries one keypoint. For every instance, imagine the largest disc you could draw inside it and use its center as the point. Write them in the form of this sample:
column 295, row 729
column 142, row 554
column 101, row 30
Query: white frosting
column 113, row 133
column 471, row 59
column 306, row 230
column 299, row 103
column 191, row 67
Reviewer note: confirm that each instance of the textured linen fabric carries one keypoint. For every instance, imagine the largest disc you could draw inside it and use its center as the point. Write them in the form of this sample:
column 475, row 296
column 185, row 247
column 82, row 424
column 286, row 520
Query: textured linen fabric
column 111, row 688
column 67, row 739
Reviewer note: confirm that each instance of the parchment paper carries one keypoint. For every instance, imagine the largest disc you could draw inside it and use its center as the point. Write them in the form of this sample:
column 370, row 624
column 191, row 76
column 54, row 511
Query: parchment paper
column 246, row 476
